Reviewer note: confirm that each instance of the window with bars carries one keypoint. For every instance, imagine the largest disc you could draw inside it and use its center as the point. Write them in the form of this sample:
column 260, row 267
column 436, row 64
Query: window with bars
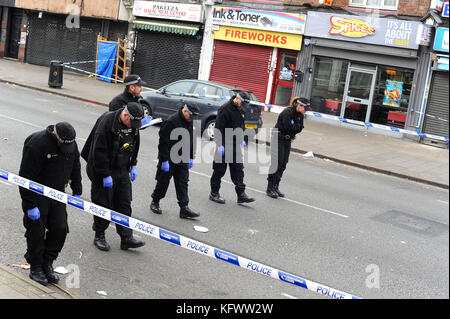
column 375, row 4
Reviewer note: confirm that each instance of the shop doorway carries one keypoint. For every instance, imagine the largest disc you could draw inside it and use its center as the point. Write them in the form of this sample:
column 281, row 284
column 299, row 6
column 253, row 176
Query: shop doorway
column 13, row 43
column 358, row 92
column 283, row 82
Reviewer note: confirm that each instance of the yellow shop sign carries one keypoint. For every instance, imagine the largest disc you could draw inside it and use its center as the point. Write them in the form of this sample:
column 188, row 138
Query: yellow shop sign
column 259, row 37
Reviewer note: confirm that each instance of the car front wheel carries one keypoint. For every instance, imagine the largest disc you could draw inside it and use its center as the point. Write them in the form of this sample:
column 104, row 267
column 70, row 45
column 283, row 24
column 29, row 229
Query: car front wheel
column 209, row 129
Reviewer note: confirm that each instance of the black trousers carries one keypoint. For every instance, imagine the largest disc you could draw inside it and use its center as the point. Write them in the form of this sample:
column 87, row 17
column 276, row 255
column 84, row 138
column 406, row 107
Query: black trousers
column 279, row 160
column 180, row 174
column 237, row 176
column 47, row 235
column 117, row 198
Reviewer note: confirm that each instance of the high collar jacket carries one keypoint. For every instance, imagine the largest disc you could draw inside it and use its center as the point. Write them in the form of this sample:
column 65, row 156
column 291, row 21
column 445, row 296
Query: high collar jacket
column 122, row 100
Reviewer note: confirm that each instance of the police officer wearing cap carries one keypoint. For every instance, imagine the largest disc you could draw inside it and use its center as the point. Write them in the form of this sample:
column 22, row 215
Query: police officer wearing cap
column 111, row 152
column 289, row 124
column 176, row 131
column 132, row 93
column 230, row 118
column 51, row 158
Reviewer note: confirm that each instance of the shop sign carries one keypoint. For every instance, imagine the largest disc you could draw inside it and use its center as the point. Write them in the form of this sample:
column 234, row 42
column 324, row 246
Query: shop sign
column 259, row 37
column 445, row 10
column 441, row 40
column 284, row 22
column 168, row 10
column 365, row 29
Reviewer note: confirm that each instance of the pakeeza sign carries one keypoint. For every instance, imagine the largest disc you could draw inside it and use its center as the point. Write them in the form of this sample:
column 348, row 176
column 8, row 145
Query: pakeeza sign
column 365, row 29
column 283, row 22
column 168, row 10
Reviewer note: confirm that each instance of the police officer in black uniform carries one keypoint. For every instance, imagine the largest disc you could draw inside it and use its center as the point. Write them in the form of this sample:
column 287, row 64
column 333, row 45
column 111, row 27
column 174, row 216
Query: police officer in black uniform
column 289, row 124
column 132, row 93
column 51, row 158
column 230, row 117
column 176, row 164
column 111, row 152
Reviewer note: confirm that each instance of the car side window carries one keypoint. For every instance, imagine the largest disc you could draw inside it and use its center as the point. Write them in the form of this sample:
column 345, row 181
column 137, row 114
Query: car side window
column 179, row 87
column 204, row 89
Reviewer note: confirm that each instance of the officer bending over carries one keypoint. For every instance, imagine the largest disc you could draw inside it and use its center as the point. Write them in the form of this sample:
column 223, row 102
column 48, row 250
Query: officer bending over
column 180, row 124
column 111, row 152
column 51, row 158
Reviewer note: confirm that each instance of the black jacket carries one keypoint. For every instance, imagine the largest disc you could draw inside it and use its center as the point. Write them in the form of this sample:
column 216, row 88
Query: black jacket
column 175, row 121
column 287, row 130
column 44, row 163
column 106, row 148
column 228, row 116
column 121, row 100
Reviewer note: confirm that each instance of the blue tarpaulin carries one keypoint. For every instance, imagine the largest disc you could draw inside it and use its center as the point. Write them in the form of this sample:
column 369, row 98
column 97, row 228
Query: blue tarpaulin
column 106, row 56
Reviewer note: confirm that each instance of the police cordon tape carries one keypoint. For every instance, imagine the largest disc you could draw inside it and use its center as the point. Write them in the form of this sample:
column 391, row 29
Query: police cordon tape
column 315, row 114
column 173, row 238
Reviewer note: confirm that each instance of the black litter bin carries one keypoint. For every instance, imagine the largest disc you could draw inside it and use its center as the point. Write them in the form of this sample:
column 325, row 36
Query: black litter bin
column 55, row 78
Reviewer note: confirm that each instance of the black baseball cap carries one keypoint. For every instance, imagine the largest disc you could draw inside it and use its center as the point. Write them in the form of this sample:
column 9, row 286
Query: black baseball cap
column 136, row 113
column 244, row 97
column 304, row 102
column 65, row 134
column 134, row 79
column 192, row 109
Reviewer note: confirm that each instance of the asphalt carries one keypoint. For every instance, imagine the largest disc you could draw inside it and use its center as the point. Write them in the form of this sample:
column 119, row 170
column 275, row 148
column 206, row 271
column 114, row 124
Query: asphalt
column 400, row 157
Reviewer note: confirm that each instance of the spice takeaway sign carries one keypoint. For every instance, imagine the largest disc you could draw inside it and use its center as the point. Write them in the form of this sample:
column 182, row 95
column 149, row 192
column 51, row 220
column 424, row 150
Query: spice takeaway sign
column 365, row 29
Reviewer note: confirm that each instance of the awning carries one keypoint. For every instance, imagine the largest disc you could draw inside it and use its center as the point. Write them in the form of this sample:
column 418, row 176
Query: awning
column 166, row 26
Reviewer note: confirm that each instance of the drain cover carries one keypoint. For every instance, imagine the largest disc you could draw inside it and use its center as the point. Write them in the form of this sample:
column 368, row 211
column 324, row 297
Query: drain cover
column 413, row 223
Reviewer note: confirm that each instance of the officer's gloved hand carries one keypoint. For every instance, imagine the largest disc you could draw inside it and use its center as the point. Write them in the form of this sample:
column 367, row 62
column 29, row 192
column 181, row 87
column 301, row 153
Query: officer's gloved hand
column 108, row 182
column 77, row 196
column 191, row 163
column 165, row 166
column 292, row 122
column 145, row 122
column 244, row 144
column 133, row 173
column 34, row 213
column 221, row 150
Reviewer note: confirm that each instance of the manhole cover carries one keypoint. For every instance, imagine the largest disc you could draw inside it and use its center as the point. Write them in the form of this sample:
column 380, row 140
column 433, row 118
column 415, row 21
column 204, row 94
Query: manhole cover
column 413, row 223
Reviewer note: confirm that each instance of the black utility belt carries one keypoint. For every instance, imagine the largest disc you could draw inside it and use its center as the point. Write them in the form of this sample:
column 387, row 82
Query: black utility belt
column 285, row 137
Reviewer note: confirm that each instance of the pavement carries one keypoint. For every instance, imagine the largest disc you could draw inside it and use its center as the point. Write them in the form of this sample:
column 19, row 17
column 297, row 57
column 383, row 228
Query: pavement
column 399, row 157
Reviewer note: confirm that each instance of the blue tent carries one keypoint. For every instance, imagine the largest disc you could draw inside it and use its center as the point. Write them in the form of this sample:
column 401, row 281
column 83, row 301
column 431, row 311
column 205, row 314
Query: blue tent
column 106, row 56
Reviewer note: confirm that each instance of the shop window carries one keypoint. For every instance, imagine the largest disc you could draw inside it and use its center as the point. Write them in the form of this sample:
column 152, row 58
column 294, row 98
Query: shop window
column 375, row 4
column 391, row 96
column 328, row 85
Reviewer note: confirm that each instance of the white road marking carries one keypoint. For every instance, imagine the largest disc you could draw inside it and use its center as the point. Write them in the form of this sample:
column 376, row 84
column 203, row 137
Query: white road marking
column 289, row 296
column 338, row 175
column 442, row 201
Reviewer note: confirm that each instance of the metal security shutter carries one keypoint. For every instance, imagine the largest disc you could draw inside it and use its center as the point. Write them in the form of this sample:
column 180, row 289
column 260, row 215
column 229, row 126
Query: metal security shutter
column 437, row 106
column 50, row 39
column 162, row 58
column 241, row 65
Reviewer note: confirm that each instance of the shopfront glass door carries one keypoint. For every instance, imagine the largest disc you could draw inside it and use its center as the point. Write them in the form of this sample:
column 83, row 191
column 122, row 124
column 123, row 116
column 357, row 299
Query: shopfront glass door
column 358, row 92
column 284, row 81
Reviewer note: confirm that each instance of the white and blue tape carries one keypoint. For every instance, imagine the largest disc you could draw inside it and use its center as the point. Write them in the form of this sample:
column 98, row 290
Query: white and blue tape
column 173, row 238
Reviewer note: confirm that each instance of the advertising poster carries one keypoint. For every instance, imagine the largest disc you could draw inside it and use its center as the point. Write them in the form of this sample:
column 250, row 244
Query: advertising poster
column 393, row 93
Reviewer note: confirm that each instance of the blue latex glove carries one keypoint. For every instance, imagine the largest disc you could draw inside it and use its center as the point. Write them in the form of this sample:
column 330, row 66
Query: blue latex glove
column 133, row 173
column 108, row 182
column 191, row 163
column 34, row 213
column 292, row 122
column 77, row 196
column 146, row 121
column 165, row 166
column 221, row 150
column 244, row 144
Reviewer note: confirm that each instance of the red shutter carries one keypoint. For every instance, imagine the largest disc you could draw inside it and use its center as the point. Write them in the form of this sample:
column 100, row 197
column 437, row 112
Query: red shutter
column 242, row 65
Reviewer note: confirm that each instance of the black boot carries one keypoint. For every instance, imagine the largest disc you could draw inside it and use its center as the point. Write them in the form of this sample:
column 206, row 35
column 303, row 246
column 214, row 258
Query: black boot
column 154, row 207
column 243, row 198
column 100, row 241
column 277, row 190
column 186, row 212
column 52, row 277
column 215, row 197
column 37, row 274
column 130, row 242
column 271, row 192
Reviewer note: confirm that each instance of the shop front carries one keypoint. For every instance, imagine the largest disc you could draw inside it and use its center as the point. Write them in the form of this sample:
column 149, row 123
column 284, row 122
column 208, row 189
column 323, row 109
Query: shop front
column 257, row 50
column 362, row 68
column 436, row 117
column 168, row 41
